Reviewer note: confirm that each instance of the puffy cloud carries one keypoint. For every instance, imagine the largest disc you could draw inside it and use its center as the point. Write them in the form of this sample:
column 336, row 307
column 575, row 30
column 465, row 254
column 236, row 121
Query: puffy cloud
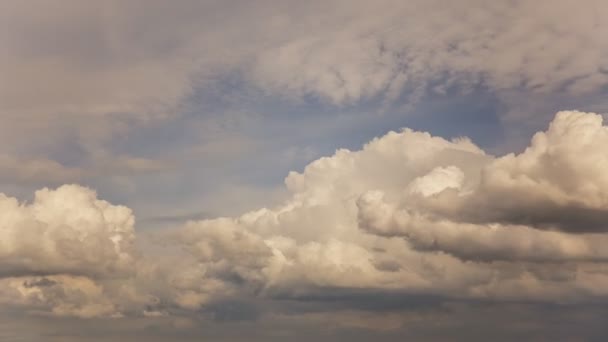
column 559, row 182
column 58, row 295
column 477, row 242
column 226, row 250
column 392, row 218
column 67, row 230
column 68, row 253
column 437, row 180
column 423, row 189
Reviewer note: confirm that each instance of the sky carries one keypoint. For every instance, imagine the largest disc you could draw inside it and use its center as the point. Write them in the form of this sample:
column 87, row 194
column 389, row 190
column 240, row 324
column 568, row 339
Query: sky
column 303, row 170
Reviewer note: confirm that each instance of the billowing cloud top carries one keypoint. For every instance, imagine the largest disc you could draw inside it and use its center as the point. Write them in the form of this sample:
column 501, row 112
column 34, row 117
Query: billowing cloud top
column 65, row 231
column 409, row 212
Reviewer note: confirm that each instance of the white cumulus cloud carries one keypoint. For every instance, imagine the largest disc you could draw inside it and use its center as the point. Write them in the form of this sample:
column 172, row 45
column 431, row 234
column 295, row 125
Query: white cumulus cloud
column 408, row 212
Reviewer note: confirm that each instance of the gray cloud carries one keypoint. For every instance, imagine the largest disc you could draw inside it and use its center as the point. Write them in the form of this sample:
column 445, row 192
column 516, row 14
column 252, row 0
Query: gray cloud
column 453, row 321
column 146, row 57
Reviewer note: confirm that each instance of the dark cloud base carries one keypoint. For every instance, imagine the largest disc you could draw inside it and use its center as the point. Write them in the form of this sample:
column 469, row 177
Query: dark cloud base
column 450, row 321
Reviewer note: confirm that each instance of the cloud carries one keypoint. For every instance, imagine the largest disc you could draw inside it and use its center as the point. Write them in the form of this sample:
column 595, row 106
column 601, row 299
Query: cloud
column 65, row 231
column 555, row 184
column 93, row 70
column 558, row 182
column 392, row 219
column 36, row 170
column 414, row 186
column 489, row 242
column 147, row 57
column 88, row 59
column 361, row 51
column 407, row 216
column 451, row 321
column 33, row 170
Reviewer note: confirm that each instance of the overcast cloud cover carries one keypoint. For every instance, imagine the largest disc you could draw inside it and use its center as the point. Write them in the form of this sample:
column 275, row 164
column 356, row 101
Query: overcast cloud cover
column 242, row 170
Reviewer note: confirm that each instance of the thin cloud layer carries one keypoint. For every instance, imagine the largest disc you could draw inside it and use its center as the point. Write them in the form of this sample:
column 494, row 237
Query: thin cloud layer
column 379, row 220
column 108, row 57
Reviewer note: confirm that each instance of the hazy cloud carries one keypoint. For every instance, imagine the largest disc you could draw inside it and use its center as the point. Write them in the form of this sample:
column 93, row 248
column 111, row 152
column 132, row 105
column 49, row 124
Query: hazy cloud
column 411, row 221
column 146, row 57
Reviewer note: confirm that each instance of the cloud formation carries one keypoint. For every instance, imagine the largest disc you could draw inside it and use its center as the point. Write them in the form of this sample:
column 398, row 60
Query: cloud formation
column 92, row 70
column 558, row 182
column 65, row 231
column 107, row 57
column 99, row 93
column 359, row 50
column 408, row 214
